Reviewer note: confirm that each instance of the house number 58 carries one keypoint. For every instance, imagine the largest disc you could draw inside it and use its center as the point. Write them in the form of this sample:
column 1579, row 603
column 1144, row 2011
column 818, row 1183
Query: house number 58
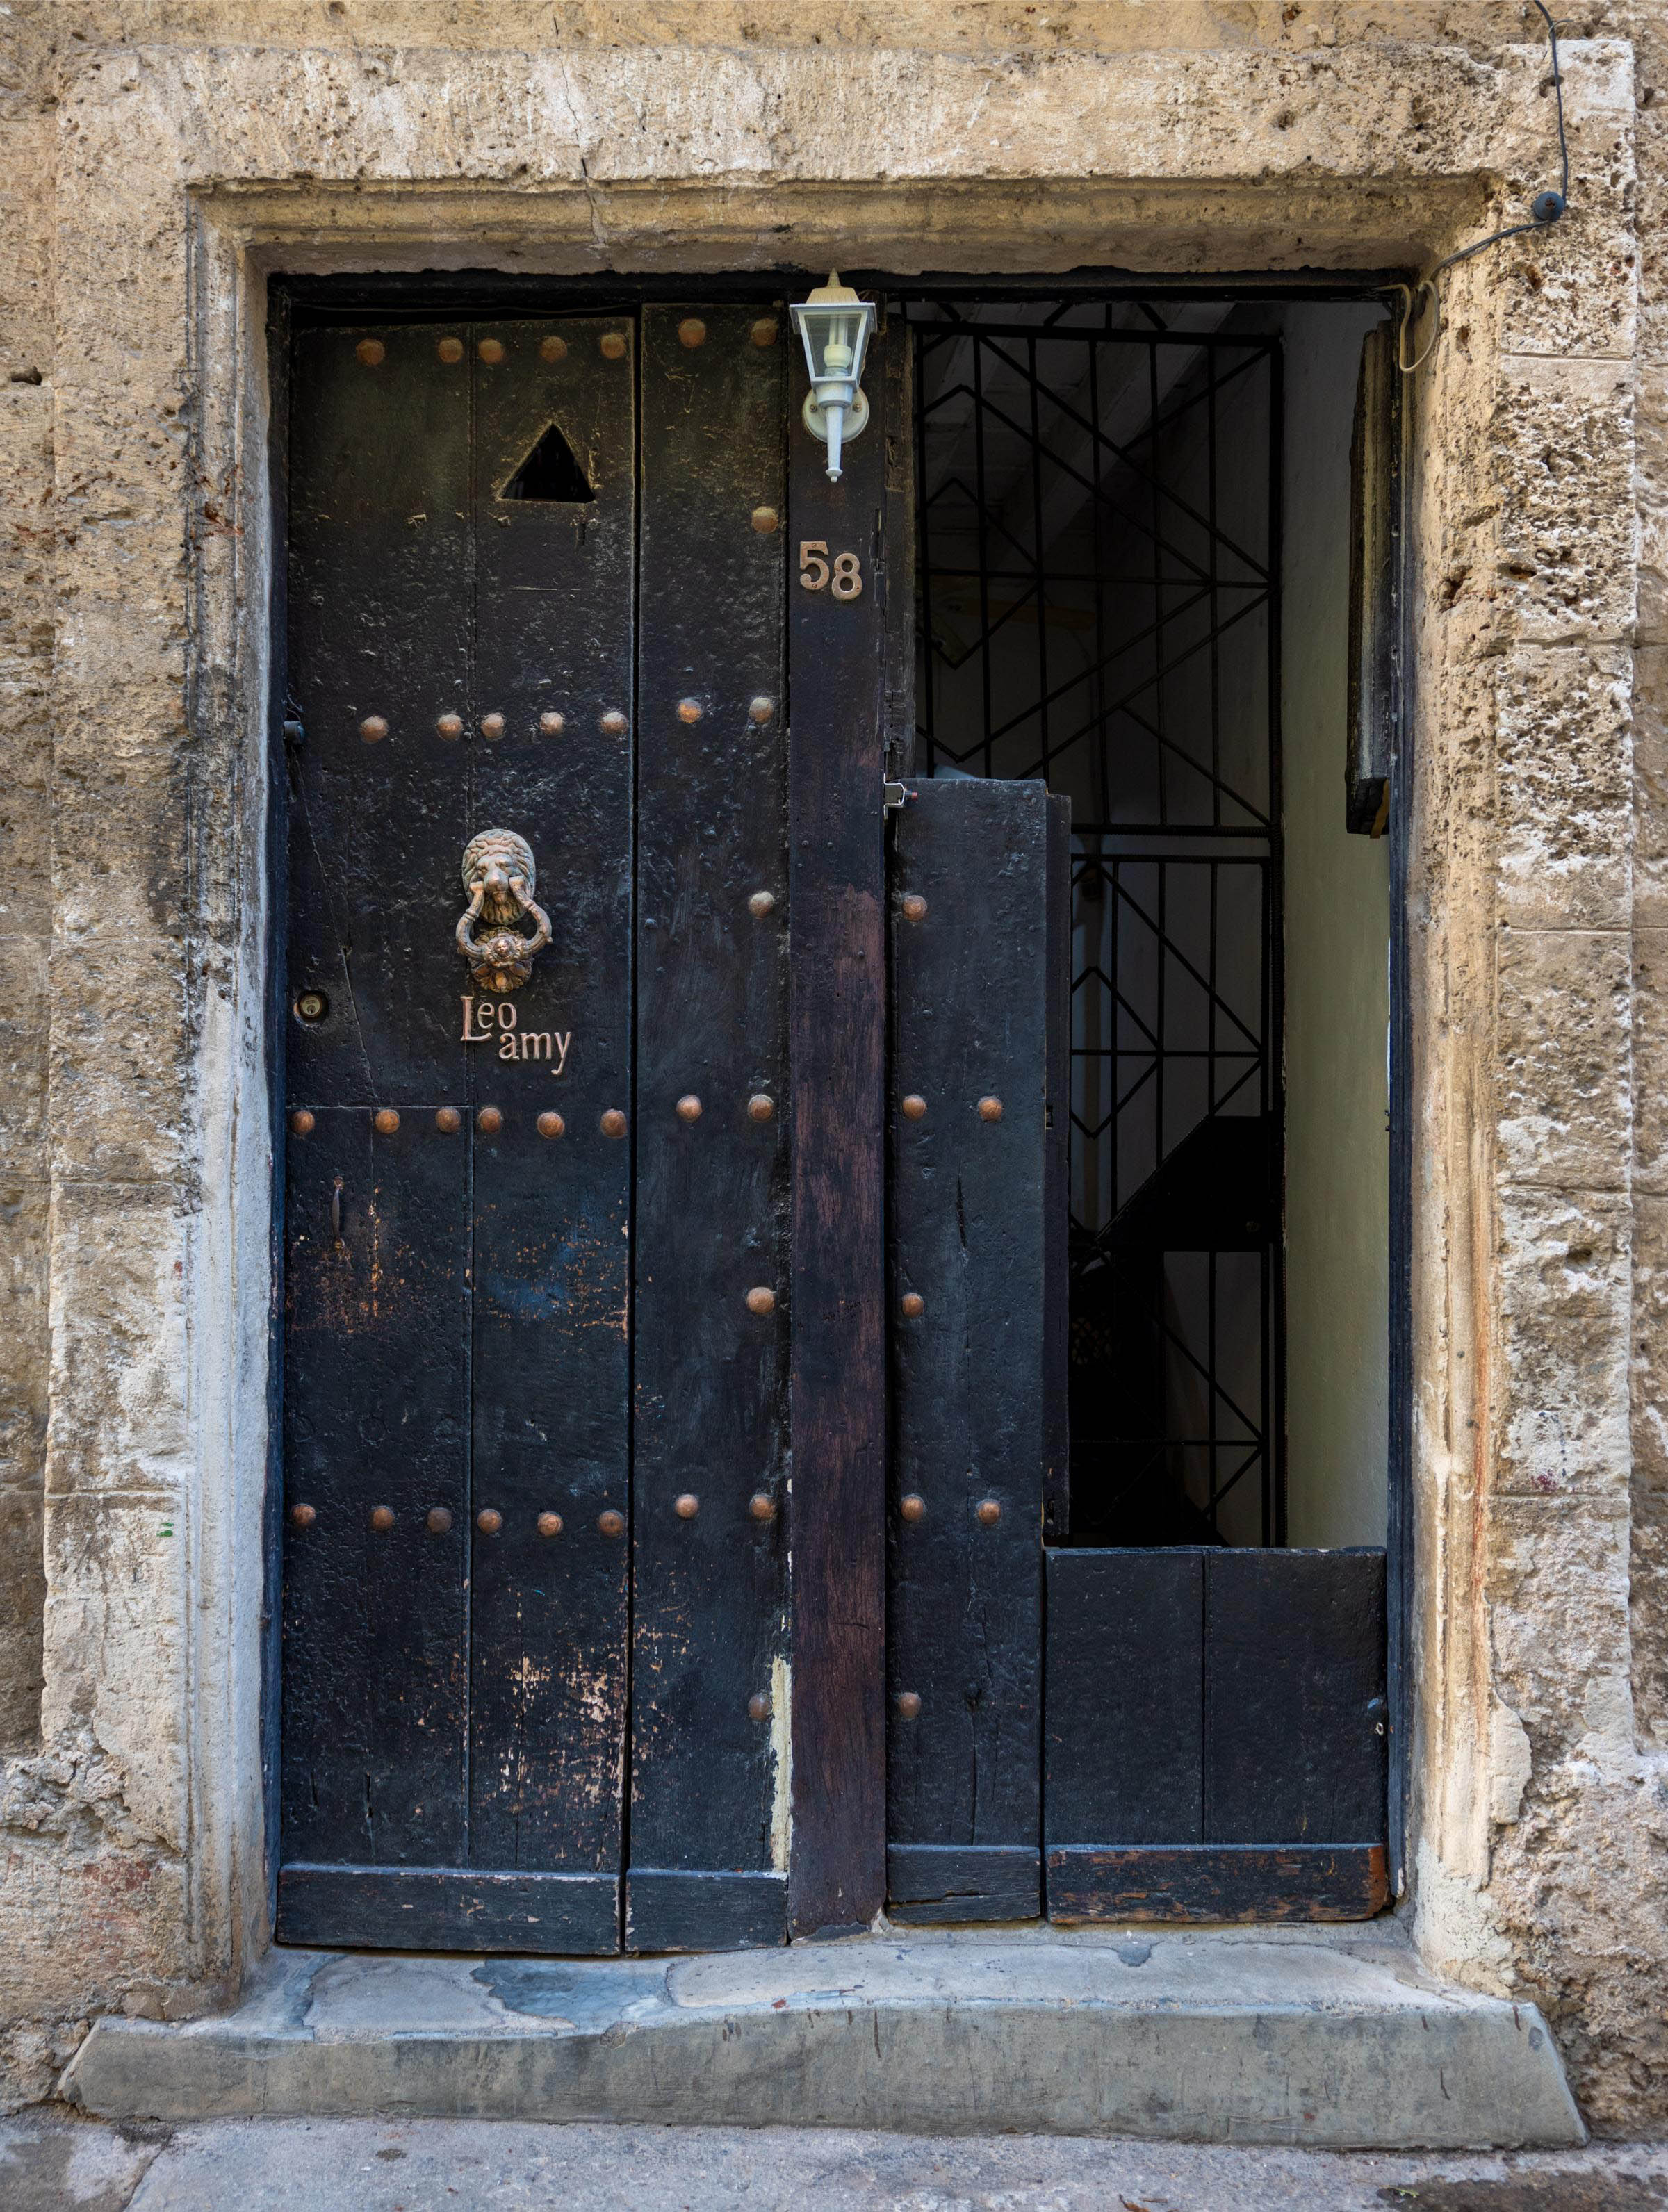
column 845, row 578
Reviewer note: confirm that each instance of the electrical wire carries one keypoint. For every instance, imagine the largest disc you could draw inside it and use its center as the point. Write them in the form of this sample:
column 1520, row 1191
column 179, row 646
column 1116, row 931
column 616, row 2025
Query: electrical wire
column 1547, row 206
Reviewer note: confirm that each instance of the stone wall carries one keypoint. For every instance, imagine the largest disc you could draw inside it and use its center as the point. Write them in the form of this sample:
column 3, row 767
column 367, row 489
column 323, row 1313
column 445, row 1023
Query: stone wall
column 156, row 157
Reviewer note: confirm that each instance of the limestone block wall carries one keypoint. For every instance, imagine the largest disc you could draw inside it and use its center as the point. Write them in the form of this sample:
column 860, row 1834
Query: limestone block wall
column 157, row 157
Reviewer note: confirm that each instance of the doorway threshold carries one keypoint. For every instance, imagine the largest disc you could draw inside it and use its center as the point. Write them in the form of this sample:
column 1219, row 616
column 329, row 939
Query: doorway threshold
column 1330, row 2038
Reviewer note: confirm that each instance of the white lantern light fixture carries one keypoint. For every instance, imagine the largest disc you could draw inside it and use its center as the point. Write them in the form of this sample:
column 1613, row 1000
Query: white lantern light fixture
column 834, row 324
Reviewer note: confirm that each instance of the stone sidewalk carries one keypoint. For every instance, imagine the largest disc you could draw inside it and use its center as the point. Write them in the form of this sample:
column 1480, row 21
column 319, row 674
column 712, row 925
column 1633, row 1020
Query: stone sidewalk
column 51, row 2164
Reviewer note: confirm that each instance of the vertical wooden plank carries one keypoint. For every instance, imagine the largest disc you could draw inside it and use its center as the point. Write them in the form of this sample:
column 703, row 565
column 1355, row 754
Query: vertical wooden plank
column 1294, row 1697
column 1057, row 1182
column 707, row 1829
column 553, row 598
column 1124, row 1739
column 969, row 1169
column 836, row 660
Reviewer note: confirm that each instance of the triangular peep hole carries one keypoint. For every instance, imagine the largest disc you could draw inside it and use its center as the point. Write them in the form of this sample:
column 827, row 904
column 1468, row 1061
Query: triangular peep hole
column 549, row 472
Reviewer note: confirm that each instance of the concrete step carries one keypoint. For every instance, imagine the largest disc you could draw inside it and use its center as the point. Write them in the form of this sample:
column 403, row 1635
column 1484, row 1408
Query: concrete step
column 1332, row 2039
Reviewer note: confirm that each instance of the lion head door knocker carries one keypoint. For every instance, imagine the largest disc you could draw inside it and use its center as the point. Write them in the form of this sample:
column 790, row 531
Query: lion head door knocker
column 500, row 878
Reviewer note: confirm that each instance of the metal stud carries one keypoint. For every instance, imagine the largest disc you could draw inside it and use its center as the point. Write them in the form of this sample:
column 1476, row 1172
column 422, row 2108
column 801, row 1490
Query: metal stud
column 439, row 1520
column 552, row 348
column 492, row 725
column 312, row 1007
column 764, row 331
column 686, row 1506
column 549, row 1524
column 613, row 723
column 613, row 345
column 303, row 1516
column 761, row 1300
column 450, row 727
column 909, row 1704
column 915, row 1107
column 370, row 351
column 760, row 904
column 990, row 1109
column 762, row 1506
column 689, row 710
column 489, row 1521
column 912, row 1305
column 612, row 1123
column 689, row 1108
column 385, row 1121
column 987, row 1512
column 691, row 332
column 912, row 906
column 303, row 1122
column 759, row 1706
column 550, row 1124
column 450, row 350
column 761, row 709
column 760, row 1107
column 611, row 1524
column 491, row 351
column 382, row 1519
column 448, row 1121
column 550, row 725
column 913, row 1507
column 765, row 520
column 373, row 729
column 488, row 1120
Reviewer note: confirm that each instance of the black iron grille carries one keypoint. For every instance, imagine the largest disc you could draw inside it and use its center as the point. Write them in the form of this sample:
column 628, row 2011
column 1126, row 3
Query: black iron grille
column 1096, row 560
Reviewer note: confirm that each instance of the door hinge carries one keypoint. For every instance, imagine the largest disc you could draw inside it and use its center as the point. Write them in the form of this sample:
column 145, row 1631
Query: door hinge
column 894, row 796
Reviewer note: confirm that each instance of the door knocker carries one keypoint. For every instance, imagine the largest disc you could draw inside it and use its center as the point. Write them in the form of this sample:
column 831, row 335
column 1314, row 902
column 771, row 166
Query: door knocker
column 500, row 878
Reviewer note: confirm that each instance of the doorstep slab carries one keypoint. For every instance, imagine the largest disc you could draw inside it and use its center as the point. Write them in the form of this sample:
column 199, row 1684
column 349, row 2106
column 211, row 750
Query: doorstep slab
column 1218, row 2036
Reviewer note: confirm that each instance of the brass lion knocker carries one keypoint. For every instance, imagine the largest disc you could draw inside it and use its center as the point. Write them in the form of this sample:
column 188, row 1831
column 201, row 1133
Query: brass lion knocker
column 500, row 878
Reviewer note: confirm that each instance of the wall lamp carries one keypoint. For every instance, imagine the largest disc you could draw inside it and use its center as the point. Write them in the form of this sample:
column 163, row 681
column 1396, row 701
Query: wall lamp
column 834, row 325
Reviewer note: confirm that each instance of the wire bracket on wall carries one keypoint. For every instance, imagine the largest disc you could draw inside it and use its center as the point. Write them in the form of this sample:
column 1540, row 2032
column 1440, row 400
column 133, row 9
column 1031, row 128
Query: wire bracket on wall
column 1546, row 208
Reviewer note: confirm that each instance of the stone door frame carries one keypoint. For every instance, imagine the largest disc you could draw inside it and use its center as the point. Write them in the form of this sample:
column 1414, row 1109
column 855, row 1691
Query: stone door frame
column 188, row 177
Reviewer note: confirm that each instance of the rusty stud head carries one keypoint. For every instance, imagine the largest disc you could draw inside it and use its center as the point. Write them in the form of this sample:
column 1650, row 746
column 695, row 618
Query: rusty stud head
column 385, row 1121
column 764, row 331
column 492, row 725
column 759, row 1706
column 612, row 1123
column 761, row 1106
column 382, row 1519
column 552, row 348
column 987, row 1512
column 689, row 1107
column 613, row 723
column 762, row 1506
column 550, row 725
column 613, row 345
column 550, row 1124
column 302, row 1122
column 909, row 1704
column 448, row 1121
column 449, row 726
column 761, row 709
column 370, row 351
column 303, row 1516
column 913, row 1507
column 611, row 1524
column 915, row 1107
column 912, row 1305
column 312, row 1007
column 450, row 350
column 691, row 332
column 761, row 903
column 488, row 1120
column 373, row 729
column 765, row 520
column 489, row 1521
column 686, row 1506
column 689, row 710
column 990, row 1109
column 912, row 906
column 549, row 1524
column 439, row 1520
column 761, row 1300
column 491, row 351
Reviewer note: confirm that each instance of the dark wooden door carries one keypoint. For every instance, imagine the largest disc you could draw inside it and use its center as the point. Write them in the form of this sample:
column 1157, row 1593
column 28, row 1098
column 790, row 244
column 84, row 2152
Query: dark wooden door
column 535, row 1377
